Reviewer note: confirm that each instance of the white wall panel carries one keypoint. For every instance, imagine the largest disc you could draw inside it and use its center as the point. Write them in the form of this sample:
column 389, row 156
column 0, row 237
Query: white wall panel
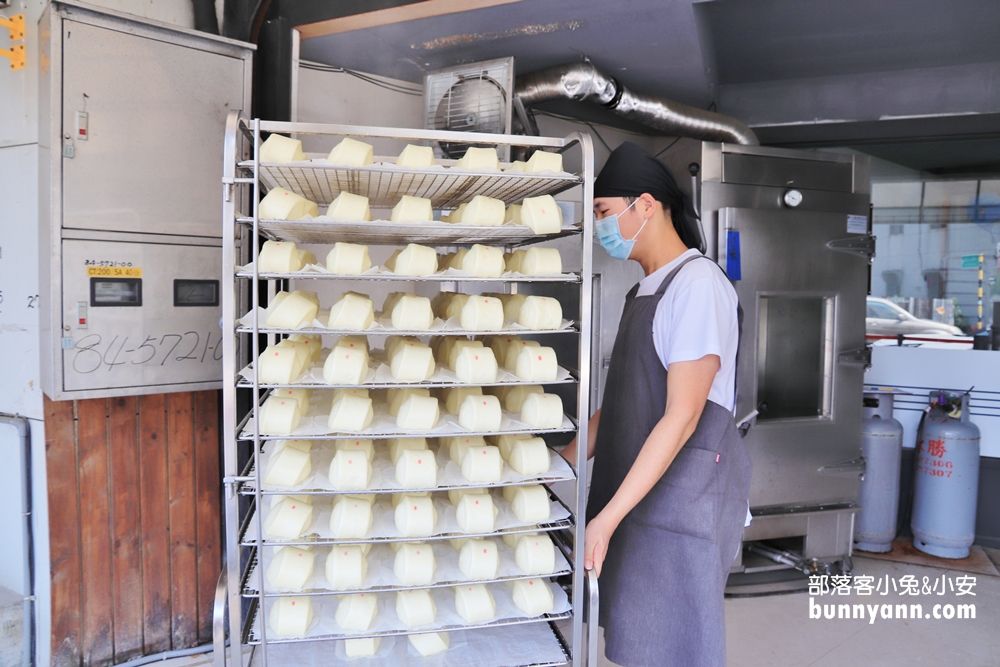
column 921, row 370
column 20, row 391
column 328, row 97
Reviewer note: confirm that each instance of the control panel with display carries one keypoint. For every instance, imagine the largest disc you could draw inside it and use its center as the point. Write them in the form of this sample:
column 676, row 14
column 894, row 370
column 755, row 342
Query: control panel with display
column 120, row 292
column 144, row 315
column 201, row 293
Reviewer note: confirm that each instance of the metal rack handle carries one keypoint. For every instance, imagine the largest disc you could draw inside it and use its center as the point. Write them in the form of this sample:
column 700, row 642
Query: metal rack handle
column 219, row 621
column 593, row 608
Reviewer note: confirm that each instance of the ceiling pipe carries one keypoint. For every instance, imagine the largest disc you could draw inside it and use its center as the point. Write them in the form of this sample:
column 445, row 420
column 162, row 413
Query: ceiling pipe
column 584, row 82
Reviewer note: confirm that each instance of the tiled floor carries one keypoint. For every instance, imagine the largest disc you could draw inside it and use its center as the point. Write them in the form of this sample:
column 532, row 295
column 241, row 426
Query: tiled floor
column 776, row 631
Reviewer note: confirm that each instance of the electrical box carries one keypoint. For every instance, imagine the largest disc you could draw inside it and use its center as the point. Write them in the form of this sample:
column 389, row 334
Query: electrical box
column 139, row 315
column 132, row 115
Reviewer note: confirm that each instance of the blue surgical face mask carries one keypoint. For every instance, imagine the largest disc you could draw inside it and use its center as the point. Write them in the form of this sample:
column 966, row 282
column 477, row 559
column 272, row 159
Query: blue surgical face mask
column 610, row 237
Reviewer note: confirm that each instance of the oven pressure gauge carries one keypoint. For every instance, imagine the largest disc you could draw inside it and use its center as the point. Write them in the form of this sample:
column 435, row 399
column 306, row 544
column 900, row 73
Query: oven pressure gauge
column 793, row 198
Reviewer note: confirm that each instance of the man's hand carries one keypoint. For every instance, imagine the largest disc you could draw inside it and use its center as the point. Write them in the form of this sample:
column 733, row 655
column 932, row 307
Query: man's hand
column 598, row 536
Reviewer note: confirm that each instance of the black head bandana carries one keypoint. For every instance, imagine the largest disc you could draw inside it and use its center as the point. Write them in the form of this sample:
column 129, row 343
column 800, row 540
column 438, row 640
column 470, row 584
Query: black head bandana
column 631, row 171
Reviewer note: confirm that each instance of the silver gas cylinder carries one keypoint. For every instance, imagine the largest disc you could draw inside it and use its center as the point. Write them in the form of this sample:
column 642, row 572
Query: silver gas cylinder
column 882, row 447
column 946, row 478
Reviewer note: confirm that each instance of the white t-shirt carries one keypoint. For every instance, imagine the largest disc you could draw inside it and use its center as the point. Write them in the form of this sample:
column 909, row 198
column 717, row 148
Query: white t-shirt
column 696, row 317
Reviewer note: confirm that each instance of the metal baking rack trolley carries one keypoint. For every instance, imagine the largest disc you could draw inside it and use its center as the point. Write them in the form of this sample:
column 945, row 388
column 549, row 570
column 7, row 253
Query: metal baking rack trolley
column 311, row 634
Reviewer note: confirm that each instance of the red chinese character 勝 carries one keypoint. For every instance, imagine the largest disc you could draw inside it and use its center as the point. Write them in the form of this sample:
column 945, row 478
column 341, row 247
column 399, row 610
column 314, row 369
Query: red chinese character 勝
column 935, row 448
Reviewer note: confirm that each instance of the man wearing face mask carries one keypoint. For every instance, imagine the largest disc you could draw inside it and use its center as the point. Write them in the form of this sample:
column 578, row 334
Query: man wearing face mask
column 671, row 477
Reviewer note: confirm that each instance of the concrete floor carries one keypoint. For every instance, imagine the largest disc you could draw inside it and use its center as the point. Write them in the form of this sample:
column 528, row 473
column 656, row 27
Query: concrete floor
column 11, row 628
column 776, row 631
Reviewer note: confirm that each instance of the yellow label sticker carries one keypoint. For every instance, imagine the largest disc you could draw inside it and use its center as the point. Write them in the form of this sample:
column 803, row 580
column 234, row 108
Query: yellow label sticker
column 114, row 272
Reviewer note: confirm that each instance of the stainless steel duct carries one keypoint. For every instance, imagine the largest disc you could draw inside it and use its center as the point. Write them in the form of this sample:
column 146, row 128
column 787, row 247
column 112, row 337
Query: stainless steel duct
column 583, row 81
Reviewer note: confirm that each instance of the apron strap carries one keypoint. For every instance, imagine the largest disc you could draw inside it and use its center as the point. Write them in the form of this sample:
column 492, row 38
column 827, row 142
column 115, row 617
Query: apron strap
column 670, row 276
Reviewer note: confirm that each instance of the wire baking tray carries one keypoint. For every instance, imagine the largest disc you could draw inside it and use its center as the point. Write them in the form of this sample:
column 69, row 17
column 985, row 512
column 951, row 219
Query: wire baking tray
column 244, row 383
column 440, row 277
column 254, row 636
column 386, row 331
column 250, row 541
column 383, row 232
column 248, row 537
column 560, row 471
column 536, row 645
column 251, row 577
column 385, row 183
column 388, row 624
column 379, row 376
column 447, row 427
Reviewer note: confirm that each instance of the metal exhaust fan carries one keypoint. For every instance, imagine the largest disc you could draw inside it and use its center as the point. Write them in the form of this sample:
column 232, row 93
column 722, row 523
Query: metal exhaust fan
column 470, row 98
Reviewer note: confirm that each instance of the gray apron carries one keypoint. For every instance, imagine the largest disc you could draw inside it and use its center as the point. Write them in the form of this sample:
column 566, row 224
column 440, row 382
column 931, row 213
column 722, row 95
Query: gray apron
column 663, row 579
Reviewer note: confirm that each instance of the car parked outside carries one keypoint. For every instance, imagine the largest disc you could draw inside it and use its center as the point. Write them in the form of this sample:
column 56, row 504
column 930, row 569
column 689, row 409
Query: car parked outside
column 887, row 319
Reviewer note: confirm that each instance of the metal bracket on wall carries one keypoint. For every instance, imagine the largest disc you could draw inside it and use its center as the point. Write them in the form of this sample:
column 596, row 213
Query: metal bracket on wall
column 859, row 357
column 850, row 468
column 15, row 54
column 863, row 246
column 14, row 25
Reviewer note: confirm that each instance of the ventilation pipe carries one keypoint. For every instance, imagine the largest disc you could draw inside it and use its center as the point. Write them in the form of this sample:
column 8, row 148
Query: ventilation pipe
column 584, row 82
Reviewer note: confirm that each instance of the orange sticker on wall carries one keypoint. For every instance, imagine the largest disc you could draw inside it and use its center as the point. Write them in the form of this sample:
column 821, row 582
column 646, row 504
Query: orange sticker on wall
column 114, row 272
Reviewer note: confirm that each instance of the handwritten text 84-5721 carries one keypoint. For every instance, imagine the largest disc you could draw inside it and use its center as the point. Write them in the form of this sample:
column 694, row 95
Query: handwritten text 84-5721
column 92, row 353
